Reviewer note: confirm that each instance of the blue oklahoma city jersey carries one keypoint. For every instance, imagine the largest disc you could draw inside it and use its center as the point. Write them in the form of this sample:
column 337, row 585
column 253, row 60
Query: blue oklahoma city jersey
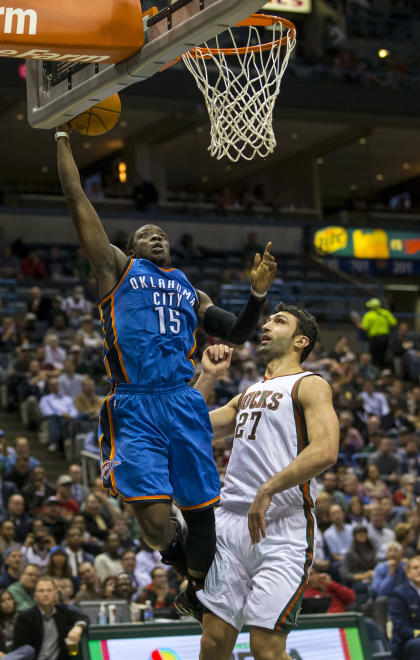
column 149, row 323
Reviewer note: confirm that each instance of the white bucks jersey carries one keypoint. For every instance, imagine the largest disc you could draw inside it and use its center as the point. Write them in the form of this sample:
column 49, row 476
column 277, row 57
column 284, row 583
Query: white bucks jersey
column 270, row 432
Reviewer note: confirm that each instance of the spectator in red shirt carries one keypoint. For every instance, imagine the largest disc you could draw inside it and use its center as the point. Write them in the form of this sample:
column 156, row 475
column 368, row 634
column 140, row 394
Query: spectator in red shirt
column 33, row 267
column 68, row 506
column 321, row 584
column 158, row 591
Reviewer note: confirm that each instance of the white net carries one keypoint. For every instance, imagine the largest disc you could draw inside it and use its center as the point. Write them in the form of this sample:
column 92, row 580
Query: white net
column 240, row 86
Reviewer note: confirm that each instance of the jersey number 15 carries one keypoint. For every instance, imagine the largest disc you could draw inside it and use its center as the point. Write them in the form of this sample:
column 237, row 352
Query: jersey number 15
column 169, row 320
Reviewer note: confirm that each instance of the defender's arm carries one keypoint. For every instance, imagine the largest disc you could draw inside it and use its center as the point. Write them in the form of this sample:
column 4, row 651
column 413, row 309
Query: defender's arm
column 225, row 325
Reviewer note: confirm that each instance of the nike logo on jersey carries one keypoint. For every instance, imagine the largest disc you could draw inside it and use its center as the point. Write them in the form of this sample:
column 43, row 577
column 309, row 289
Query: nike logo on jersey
column 265, row 399
column 170, row 286
column 107, row 467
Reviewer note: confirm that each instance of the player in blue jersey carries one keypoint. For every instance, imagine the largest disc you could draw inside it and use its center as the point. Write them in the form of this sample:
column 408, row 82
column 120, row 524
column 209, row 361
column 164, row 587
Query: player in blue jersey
column 155, row 433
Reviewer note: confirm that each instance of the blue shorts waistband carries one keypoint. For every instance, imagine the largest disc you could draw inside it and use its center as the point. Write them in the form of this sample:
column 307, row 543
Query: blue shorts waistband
column 130, row 388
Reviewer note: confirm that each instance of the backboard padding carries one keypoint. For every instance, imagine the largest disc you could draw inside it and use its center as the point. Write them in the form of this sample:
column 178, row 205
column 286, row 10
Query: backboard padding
column 192, row 24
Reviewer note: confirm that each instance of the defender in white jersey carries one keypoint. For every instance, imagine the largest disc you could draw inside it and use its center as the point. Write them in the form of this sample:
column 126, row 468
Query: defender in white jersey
column 285, row 433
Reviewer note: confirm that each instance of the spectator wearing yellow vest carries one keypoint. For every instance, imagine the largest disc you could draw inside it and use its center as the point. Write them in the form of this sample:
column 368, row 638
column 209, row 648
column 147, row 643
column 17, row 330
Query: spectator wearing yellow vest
column 377, row 324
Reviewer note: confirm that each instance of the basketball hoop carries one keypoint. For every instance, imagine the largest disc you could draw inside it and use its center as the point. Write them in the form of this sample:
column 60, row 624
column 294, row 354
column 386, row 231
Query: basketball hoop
column 241, row 86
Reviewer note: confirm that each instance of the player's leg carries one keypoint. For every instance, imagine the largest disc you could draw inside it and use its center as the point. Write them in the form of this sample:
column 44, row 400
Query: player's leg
column 157, row 528
column 200, row 546
column 218, row 639
column 268, row 644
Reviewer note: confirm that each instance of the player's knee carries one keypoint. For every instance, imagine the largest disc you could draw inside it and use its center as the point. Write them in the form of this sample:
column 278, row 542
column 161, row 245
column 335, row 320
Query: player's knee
column 260, row 651
column 212, row 643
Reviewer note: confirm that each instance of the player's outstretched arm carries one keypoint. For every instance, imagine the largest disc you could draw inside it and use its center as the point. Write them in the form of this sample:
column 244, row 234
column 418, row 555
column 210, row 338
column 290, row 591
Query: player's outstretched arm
column 220, row 323
column 106, row 260
column 323, row 432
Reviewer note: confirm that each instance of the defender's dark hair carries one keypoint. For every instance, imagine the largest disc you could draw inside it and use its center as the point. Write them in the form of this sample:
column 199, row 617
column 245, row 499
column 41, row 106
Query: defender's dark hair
column 306, row 325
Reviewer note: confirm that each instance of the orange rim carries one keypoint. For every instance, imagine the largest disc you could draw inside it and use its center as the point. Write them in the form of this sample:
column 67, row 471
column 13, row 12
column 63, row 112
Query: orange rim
column 256, row 20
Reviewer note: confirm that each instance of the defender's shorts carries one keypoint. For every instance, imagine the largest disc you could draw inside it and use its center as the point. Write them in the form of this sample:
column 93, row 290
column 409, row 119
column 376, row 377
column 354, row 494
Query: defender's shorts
column 260, row 585
column 156, row 444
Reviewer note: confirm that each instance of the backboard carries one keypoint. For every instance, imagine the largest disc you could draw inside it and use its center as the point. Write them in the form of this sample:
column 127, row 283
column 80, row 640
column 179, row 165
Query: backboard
column 60, row 90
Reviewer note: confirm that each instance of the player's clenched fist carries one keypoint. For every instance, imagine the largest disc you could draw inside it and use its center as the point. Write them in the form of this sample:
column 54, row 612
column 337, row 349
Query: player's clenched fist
column 216, row 359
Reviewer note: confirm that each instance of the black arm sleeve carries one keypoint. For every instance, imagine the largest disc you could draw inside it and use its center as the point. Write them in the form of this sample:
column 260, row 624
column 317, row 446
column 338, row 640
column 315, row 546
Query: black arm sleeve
column 227, row 326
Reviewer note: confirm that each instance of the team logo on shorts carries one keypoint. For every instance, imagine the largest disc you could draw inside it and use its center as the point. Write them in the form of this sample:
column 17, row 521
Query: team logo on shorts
column 107, row 467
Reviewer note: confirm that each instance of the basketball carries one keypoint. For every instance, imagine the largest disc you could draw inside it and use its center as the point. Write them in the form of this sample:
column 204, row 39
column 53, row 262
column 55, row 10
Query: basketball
column 100, row 118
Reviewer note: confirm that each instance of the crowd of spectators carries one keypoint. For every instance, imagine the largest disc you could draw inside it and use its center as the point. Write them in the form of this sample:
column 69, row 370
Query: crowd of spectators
column 368, row 506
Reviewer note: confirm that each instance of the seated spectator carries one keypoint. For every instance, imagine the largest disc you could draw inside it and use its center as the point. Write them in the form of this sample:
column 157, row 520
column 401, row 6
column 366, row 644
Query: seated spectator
column 9, row 337
column 23, row 590
column 36, row 549
column 108, row 588
column 351, row 440
column 46, row 625
column 55, row 264
column 358, row 564
column 39, row 304
column 411, row 457
column 128, row 562
column 29, row 332
column 124, row 590
column 8, row 616
column 59, row 565
column 13, row 562
column 90, row 584
column 20, row 473
column 157, row 591
column 120, row 527
column 54, row 354
column 88, row 404
column 37, row 490
column 9, row 264
column 96, row 525
column 20, row 518
column 21, row 449
column 341, row 349
column 76, row 306
column 380, row 535
column 29, row 391
column 70, row 383
column 322, row 510
column 59, row 411
column 75, row 552
column 399, row 344
column 146, row 560
column 68, row 507
column 405, row 536
column 374, row 403
column 78, row 492
column 387, row 575
column 321, row 560
column 321, row 584
column 66, row 591
column 91, row 544
column 397, row 420
column 352, row 488
column 33, row 267
column 405, row 495
column 339, row 536
column 91, row 337
column 373, row 487
column 80, row 266
column 329, row 484
column 7, row 537
column 56, row 309
column 109, row 562
column 355, row 511
column 52, row 520
column 404, row 612
column 388, row 462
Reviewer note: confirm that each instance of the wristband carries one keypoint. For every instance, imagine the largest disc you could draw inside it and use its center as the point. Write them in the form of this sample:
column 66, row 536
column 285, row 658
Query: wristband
column 258, row 296
column 60, row 134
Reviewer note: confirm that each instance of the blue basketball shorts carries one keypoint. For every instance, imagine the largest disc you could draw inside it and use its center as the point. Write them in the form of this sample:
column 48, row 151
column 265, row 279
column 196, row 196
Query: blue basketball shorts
column 156, row 444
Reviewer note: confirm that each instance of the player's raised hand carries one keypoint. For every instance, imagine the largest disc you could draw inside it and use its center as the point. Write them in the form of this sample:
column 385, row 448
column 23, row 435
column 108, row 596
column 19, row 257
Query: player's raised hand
column 263, row 271
column 216, row 360
column 256, row 516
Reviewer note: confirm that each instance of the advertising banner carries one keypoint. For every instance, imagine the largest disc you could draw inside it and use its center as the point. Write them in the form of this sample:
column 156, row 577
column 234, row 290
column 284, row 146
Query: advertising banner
column 297, row 6
column 367, row 243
